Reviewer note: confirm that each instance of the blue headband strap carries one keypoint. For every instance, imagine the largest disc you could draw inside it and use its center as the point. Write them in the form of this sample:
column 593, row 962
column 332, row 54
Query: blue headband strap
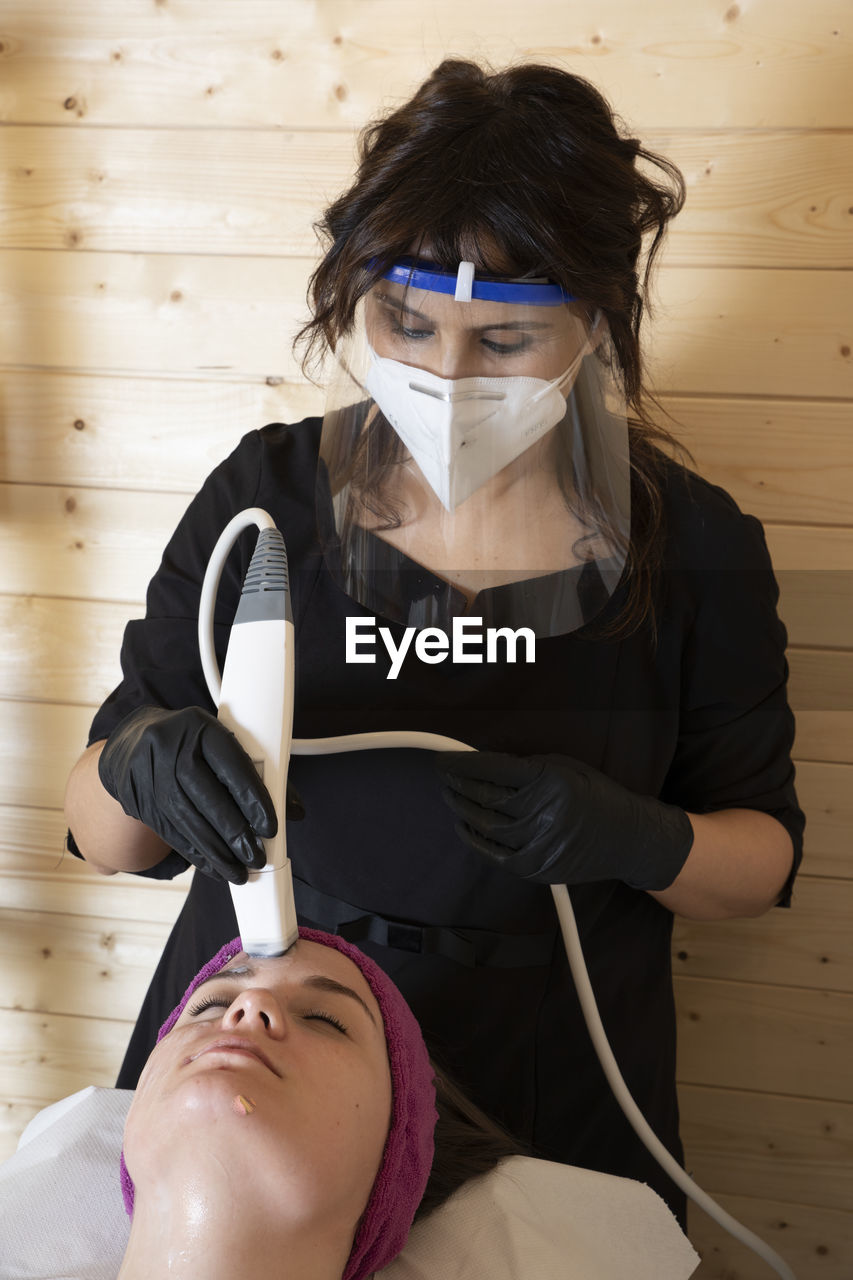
column 408, row 271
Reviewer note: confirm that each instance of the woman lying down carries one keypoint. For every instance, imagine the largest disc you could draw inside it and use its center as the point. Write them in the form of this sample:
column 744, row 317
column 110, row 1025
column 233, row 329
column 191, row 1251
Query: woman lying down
column 306, row 1088
column 289, row 1123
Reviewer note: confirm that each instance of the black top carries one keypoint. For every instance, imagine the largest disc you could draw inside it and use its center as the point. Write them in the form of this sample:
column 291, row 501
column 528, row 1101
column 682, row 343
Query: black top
column 696, row 715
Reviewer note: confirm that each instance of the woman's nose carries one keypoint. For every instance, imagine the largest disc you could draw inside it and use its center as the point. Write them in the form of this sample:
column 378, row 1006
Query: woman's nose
column 454, row 360
column 256, row 1008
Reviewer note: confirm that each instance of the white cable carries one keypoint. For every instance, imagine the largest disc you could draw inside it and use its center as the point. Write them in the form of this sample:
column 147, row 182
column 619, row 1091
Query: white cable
column 210, row 586
column 634, row 1115
column 583, row 986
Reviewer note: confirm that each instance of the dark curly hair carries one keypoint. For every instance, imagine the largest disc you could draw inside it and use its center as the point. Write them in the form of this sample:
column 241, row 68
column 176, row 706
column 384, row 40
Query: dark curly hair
column 524, row 171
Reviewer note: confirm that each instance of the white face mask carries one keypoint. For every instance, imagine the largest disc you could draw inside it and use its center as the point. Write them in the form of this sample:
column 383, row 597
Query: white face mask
column 463, row 431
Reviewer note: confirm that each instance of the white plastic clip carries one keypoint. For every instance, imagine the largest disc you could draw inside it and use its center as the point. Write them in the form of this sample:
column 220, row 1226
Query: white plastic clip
column 464, row 282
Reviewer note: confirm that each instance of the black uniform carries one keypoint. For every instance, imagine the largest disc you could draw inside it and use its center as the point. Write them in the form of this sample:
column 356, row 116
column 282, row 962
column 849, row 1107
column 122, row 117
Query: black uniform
column 696, row 714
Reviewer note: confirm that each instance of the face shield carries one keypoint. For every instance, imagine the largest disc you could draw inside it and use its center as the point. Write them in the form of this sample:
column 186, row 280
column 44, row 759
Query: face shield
column 474, row 454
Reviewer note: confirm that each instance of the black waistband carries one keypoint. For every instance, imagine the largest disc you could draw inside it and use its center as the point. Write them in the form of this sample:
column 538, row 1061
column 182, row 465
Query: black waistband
column 469, row 947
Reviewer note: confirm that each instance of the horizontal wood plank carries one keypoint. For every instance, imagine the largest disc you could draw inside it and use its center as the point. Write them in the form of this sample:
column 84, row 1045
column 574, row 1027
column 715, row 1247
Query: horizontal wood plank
column 82, row 966
column 734, row 1035
column 779, row 1147
column 821, row 680
column 825, row 792
column 731, row 332
column 754, row 199
column 38, row 874
column 824, row 736
column 60, row 650
column 253, row 64
column 135, row 433
column 45, row 1057
column 783, row 461
column 815, row 1242
column 38, row 745
column 83, row 543
column 156, row 313
column 808, row 946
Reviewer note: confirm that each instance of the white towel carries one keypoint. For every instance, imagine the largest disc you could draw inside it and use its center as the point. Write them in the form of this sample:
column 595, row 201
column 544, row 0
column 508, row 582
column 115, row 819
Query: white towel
column 62, row 1218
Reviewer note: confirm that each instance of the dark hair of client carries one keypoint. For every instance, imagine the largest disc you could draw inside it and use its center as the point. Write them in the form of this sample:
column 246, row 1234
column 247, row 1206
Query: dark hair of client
column 467, row 1144
column 523, row 172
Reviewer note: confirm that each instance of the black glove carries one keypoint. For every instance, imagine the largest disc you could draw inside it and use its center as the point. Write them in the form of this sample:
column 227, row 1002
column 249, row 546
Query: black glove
column 555, row 820
column 187, row 777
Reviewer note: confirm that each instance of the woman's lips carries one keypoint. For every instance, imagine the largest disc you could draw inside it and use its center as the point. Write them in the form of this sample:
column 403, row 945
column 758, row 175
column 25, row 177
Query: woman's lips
column 233, row 1044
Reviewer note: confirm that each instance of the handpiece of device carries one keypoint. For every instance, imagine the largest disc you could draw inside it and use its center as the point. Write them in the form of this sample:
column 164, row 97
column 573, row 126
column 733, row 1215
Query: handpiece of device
column 256, row 704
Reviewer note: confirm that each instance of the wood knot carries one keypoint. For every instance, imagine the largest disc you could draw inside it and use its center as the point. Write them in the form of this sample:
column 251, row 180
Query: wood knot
column 73, row 239
column 70, row 504
column 79, row 424
column 341, row 92
column 46, row 953
column 175, row 296
column 277, row 55
column 596, row 39
column 845, row 351
column 732, row 13
column 273, row 380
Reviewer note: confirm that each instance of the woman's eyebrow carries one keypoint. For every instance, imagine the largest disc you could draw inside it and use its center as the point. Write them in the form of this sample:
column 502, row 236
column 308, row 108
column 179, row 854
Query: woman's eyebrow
column 395, row 304
column 241, row 971
column 398, row 304
column 320, row 982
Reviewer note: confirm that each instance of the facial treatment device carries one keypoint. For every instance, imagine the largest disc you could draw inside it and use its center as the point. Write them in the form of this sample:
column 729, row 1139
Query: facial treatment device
column 255, row 700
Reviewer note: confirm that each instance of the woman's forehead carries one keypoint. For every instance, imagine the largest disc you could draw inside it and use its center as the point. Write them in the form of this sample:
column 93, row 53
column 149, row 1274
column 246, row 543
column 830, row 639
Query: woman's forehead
column 304, row 959
column 442, row 309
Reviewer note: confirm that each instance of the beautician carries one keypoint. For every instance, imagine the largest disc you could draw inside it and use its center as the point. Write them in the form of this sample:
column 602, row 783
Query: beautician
column 488, row 468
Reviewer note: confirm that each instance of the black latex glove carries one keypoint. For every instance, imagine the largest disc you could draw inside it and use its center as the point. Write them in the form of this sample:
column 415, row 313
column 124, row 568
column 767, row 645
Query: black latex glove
column 187, row 777
column 555, row 820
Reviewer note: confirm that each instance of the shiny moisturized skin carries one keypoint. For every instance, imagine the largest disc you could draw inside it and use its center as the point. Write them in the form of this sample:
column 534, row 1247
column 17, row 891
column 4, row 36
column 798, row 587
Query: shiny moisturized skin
column 302, row 1037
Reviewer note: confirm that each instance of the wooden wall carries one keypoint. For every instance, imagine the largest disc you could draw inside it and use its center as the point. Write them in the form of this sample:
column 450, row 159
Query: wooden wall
column 162, row 162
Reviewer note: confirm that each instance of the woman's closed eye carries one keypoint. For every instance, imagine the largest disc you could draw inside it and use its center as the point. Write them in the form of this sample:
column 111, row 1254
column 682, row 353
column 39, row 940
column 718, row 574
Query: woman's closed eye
column 210, row 1002
column 323, row 1015
column 223, row 1001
